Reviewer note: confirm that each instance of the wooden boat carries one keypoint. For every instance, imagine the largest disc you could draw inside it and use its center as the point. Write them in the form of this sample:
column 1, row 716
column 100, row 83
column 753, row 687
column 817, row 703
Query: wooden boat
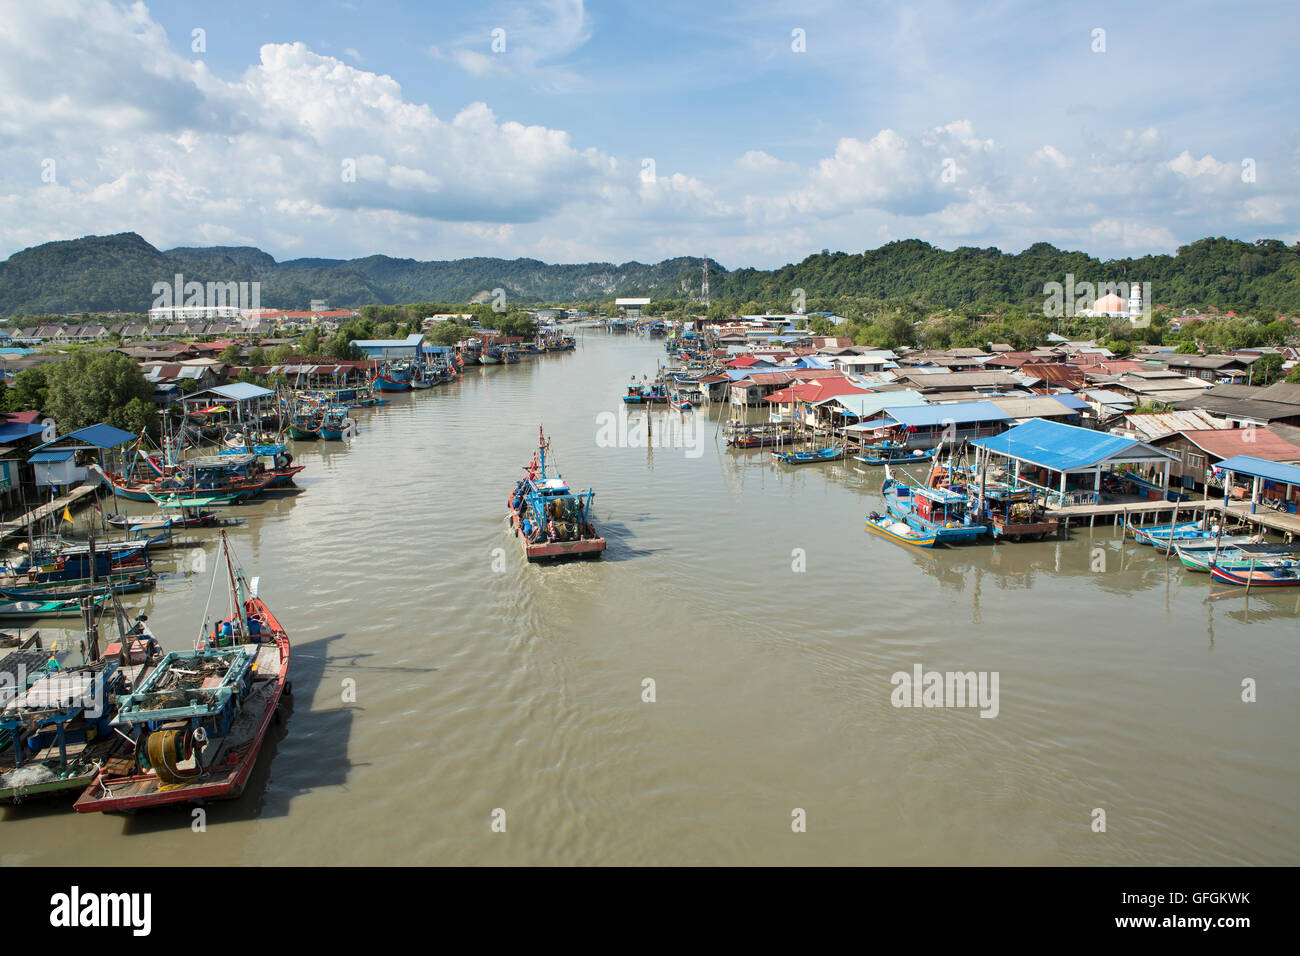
column 873, row 456
column 24, row 610
column 679, row 402
column 761, row 434
column 645, row 394
column 336, row 424
column 1016, row 513
column 1198, row 555
column 831, row 453
column 938, row 511
column 899, row 531
column 551, row 522
column 1285, row 575
column 197, row 722
column 58, row 733
column 1153, row 535
column 74, row 590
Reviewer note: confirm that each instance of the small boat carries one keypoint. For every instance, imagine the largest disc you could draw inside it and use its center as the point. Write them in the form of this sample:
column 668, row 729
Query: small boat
column 680, row 402
column 831, row 453
column 1197, row 555
column 12, row 610
column 899, row 531
column 552, row 522
column 1284, row 575
column 75, row 590
column 875, row 456
column 196, row 724
column 1161, row 535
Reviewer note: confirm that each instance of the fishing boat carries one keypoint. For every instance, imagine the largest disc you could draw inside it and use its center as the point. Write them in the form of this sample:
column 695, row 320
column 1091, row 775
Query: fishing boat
column 337, row 424
column 878, row 455
column 305, row 426
column 899, row 531
column 394, row 377
column 652, row 394
column 490, row 355
column 57, row 733
column 830, row 453
column 1226, row 552
column 196, row 724
column 938, row 511
column 1016, row 513
column 680, row 402
column 55, row 560
column 551, row 522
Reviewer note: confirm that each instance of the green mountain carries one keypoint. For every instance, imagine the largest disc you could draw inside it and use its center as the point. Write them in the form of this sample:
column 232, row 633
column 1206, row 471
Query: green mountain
column 99, row 273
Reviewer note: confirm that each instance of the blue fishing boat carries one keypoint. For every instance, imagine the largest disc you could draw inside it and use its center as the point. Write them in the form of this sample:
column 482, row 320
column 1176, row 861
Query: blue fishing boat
column 654, row 394
column 394, row 377
column 551, row 521
column 939, row 511
column 1162, row 537
column 832, row 453
column 336, row 424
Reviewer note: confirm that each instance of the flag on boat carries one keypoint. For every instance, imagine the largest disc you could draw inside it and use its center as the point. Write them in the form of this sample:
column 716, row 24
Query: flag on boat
column 67, row 513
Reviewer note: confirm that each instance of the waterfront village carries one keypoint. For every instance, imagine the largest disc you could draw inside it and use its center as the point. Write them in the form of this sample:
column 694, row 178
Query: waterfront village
column 124, row 444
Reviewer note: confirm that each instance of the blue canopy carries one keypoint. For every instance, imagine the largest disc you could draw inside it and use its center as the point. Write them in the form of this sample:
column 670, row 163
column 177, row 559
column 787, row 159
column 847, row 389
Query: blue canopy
column 1060, row 447
column 1261, row 468
column 93, row 436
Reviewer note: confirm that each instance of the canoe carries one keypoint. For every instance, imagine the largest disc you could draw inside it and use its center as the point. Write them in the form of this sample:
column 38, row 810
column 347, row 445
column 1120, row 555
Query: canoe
column 899, row 531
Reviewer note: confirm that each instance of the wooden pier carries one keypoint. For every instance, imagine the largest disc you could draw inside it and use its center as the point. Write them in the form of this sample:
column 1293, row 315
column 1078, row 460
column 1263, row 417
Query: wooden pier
column 73, row 500
column 1164, row 512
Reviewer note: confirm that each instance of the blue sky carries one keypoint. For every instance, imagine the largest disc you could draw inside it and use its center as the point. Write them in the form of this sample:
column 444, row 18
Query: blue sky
column 618, row 130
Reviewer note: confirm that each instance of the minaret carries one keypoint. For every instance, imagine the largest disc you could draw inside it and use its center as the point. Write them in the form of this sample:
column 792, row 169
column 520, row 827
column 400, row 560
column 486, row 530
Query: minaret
column 1135, row 300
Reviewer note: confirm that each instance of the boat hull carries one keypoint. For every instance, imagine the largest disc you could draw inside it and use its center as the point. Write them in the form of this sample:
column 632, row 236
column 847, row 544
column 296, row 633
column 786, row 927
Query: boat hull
column 109, row 794
column 914, row 540
column 556, row 550
column 1256, row 578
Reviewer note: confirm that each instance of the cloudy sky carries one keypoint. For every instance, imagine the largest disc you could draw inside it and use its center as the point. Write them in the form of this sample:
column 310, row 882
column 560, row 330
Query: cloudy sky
column 755, row 132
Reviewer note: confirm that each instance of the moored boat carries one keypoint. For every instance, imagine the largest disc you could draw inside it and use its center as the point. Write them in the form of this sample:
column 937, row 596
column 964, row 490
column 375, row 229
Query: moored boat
column 831, row 453
column 197, row 722
column 899, row 531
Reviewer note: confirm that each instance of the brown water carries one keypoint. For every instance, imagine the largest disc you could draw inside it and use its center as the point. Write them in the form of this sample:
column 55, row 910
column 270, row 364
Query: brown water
column 521, row 688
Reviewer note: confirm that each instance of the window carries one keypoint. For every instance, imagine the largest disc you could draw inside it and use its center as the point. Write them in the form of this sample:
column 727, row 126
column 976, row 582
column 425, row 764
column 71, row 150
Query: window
column 1195, row 462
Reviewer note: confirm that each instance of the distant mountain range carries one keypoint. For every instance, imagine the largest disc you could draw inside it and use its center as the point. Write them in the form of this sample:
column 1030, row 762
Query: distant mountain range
column 104, row 273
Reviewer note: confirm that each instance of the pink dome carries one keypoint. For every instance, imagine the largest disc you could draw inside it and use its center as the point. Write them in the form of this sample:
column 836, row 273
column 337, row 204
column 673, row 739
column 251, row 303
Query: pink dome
column 1110, row 303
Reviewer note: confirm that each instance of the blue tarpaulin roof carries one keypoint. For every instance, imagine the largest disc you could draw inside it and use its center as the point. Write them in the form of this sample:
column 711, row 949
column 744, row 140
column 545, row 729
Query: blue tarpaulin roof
column 1061, row 447
column 59, row 454
column 1261, row 468
column 955, row 413
column 92, row 436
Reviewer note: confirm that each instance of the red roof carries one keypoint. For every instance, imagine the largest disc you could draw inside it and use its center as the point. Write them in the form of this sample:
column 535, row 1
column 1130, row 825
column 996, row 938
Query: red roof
column 743, row 361
column 1256, row 442
column 816, row 391
column 23, row 418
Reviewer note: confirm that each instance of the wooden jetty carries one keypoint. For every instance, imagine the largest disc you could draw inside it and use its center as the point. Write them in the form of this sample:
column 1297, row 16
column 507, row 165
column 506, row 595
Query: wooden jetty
column 73, row 500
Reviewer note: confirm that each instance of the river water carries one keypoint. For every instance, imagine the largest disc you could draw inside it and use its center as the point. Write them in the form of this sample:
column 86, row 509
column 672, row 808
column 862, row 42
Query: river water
column 441, row 683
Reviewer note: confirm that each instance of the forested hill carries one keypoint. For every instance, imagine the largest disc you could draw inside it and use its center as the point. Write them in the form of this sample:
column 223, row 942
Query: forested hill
column 99, row 273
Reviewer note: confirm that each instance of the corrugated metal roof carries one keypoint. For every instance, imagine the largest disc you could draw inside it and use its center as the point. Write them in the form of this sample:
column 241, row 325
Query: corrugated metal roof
column 1151, row 427
column 1062, row 447
column 957, row 413
column 1259, row 468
